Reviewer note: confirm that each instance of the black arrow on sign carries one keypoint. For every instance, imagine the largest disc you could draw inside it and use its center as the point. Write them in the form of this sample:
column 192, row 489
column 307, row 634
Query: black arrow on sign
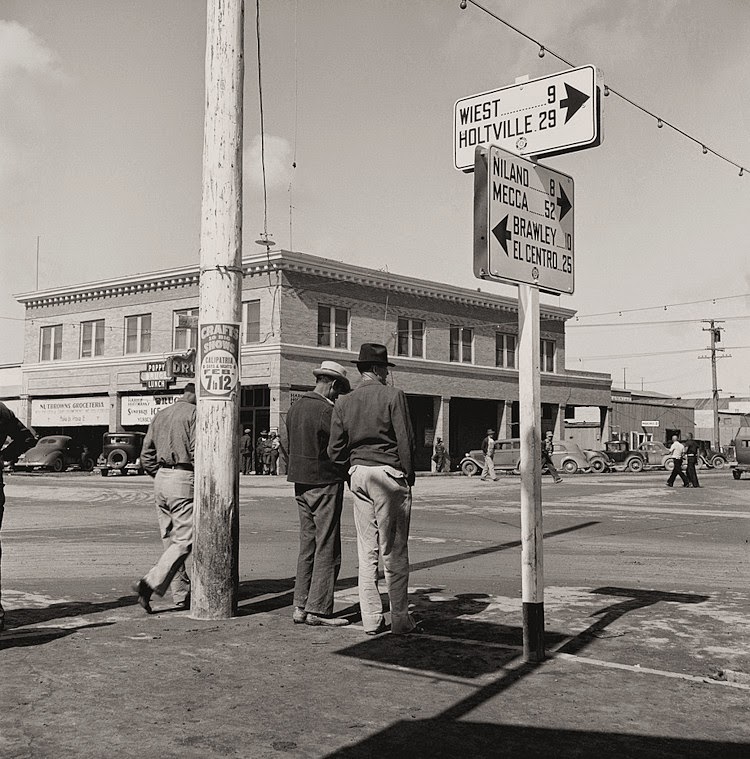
column 573, row 102
column 563, row 203
column 501, row 233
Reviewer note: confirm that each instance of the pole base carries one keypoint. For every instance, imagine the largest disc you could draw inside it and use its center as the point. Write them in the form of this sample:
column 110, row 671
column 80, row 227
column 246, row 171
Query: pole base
column 533, row 632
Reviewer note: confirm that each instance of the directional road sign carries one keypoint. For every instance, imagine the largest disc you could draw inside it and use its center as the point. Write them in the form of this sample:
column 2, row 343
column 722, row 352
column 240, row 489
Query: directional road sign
column 555, row 114
column 523, row 222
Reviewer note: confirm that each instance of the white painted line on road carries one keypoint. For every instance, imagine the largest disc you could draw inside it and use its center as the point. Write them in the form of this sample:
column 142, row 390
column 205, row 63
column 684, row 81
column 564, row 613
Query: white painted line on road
column 560, row 507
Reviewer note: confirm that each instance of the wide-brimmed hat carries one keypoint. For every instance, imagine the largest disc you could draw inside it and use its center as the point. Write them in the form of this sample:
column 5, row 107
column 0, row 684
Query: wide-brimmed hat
column 373, row 353
column 490, row 432
column 335, row 370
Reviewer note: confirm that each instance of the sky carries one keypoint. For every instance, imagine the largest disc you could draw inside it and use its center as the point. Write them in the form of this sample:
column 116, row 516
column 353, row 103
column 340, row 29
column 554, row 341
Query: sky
column 101, row 128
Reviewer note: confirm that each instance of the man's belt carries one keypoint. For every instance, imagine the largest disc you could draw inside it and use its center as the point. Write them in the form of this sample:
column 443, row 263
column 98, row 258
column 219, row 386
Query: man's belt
column 186, row 467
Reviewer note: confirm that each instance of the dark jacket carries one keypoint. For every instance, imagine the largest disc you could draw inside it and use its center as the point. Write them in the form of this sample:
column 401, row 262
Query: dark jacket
column 371, row 426
column 486, row 445
column 170, row 438
column 21, row 437
column 308, row 426
column 246, row 445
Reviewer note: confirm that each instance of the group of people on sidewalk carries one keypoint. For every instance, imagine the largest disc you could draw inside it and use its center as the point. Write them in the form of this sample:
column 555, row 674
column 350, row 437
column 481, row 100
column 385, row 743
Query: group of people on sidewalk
column 264, row 455
column 336, row 435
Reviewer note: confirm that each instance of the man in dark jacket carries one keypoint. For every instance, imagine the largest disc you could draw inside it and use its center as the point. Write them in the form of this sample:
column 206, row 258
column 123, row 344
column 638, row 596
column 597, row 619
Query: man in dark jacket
column 21, row 439
column 246, row 451
column 167, row 456
column 319, row 490
column 371, row 429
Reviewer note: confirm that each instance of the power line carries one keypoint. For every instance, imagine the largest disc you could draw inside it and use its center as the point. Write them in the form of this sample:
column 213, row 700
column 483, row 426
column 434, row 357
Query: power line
column 660, row 122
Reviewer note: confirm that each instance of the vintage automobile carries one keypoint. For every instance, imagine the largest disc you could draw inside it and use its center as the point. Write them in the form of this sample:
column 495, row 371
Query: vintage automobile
column 656, row 455
column 742, row 449
column 56, row 453
column 622, row 458
column 121, row 453
column 598, row 460
column 710, row 457
column 568, row 457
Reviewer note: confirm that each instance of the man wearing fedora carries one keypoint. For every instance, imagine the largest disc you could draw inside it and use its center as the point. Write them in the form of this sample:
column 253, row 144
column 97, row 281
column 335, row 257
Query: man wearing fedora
column 488, row 449
column 371, row 430
column 319, row 491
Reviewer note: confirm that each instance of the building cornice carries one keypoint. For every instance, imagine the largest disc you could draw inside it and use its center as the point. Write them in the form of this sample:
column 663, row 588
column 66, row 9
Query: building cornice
column 277, row 261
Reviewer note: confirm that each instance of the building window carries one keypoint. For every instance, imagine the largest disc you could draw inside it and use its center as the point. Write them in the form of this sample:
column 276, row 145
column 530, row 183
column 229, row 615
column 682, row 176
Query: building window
column 185, row 326
column 51, row 343
column 333, row 327
column 410, row 338
column 251, row 321
column 138, row 334
column 505, row 350
column 462, row 343
column 92, row 338
column 547, row 355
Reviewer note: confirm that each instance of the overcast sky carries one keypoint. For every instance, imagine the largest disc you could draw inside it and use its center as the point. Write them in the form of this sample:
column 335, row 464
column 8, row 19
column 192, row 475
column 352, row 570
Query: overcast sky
column 101, row 118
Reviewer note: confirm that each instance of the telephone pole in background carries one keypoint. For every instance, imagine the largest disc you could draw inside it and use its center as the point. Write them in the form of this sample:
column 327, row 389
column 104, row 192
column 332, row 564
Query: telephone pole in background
column 715, row 333
column 215, row 516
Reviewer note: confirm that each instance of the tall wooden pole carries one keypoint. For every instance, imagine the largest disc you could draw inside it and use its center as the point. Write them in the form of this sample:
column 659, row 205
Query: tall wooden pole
column 216, row 520
column 529, row 391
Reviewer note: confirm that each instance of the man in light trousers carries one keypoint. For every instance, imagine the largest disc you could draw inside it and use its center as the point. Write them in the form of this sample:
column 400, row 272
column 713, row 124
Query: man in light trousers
column 371, row 429
column 167, row 456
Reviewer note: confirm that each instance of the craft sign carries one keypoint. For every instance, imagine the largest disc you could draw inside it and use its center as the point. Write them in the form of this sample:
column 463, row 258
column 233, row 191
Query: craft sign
column 523, row 222
column 219, row 360
column 554, row 114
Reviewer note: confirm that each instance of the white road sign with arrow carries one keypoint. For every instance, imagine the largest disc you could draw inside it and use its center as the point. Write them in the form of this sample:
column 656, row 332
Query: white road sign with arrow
column 555, row 114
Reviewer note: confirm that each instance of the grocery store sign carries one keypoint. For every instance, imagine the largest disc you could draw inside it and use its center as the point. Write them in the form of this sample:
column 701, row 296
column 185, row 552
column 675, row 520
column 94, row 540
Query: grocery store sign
column 60, row 412
column 141, row 409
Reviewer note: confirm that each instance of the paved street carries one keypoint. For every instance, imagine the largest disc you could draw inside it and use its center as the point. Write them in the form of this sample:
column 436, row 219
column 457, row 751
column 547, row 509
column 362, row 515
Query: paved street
column 646, row 613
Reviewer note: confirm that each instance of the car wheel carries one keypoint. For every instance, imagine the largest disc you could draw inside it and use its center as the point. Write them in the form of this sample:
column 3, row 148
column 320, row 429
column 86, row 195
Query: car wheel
column 635, row 465
column 598, row 466
column 58, row 464
column 469, row 468
column 87, row 464
column 718, row 462
column 736, row 474
column 669, row 465
column 117, row 459
column 570, row 466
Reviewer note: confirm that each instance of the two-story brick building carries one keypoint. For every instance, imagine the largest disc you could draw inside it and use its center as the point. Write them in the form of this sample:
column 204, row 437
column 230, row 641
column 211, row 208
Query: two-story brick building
column 455, row 349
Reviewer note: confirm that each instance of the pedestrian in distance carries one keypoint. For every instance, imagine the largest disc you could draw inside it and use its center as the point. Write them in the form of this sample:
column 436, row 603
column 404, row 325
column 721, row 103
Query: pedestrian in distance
column 246, row 451
column 488, row 449
column 21, row 439
column 440, row 457
column 260, row 448
column 548, row 448
column 691, row 456
column 677, row 451
column 274, row 444
column 371, row 431
column 267, row 448
column 167, row 456
column 319, row 492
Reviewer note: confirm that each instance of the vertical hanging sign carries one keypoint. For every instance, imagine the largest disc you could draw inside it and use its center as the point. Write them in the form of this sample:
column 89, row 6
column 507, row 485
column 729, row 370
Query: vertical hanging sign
column 219, row 360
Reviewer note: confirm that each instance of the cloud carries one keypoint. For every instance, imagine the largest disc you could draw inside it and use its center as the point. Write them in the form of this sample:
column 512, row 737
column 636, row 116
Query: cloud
column 22, row 52
column 278, row 162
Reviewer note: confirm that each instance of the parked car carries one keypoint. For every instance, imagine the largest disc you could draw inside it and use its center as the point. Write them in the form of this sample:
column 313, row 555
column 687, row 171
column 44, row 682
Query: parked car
column 568, row 457
column 710, row 457
column 57, row 453
column 742, row 450
column 622, row 458
column 657, row 455
column 598, row 460
column 121, row 452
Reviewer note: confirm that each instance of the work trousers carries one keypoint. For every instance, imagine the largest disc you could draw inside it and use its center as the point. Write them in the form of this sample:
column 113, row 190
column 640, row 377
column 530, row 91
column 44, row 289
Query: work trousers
column 382, row 511
column 488, row 470
column 319, row 560
column 550, row 467
column 173, row 492
column 247, row 463
column 692, row 474
column 677, row 471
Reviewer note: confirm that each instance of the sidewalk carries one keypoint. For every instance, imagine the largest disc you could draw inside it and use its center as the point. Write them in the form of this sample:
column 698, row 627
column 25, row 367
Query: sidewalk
column 631, row 678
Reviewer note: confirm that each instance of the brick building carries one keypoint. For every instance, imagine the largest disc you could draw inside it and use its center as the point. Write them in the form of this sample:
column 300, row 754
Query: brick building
column 455, row 349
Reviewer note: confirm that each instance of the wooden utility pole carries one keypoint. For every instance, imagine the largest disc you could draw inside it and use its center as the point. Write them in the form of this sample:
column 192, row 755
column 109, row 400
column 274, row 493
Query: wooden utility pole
column 216, row 519
column 715, row 332
column 529, row 392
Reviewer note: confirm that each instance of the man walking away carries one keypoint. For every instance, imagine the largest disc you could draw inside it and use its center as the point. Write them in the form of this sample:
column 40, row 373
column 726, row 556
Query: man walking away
column 319, row 491
column 21, row 439
column 691, row 454
column 488, row 449
column 246, row 450
column 167, row 456
column 371, row 430
column 548, row 448
column 677, row 451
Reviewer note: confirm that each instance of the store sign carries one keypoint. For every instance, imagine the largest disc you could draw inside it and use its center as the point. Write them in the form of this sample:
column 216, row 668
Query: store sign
column 156, row 376
column 61, row 412
column 219, row 360
column 141, row 409
column 650, row 423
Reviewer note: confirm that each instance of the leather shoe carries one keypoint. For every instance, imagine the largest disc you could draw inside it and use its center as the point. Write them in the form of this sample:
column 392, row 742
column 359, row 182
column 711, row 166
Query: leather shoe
column 416, row 630
column 185, row 603
column 299, row 616
column 316, row 620
column 381, row 628
column 144, row 592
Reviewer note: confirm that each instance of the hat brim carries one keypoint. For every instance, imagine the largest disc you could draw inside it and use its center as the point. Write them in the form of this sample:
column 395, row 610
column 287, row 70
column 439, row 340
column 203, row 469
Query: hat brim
column 372, row 363
column 333, row 375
